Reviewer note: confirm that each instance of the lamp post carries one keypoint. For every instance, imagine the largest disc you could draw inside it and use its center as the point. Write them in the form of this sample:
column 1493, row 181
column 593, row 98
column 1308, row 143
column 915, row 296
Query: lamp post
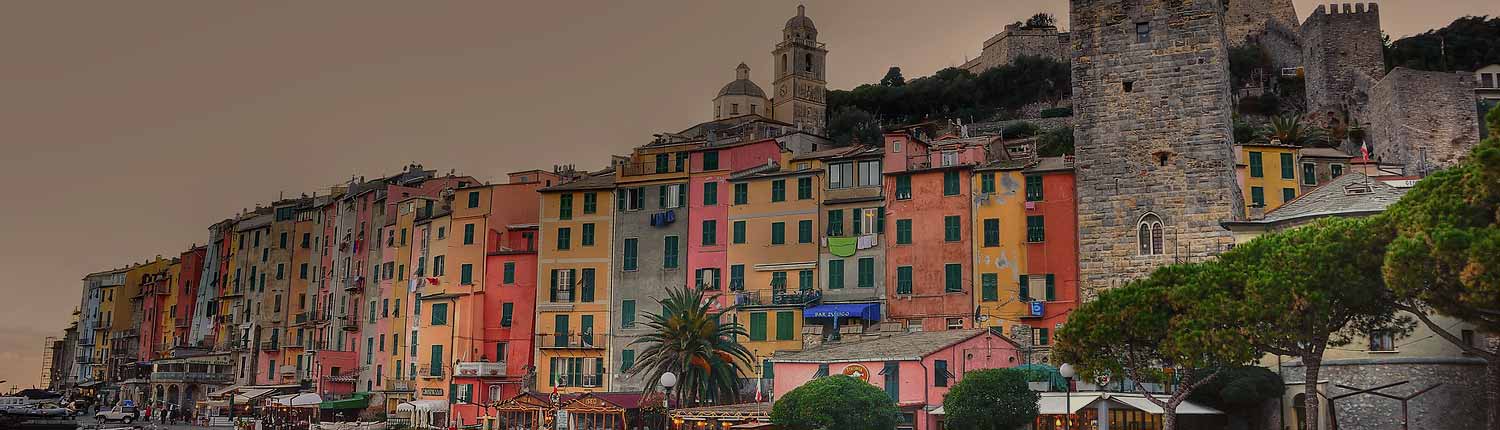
column 231, row 393
column 668, row 380
column 1067, row 373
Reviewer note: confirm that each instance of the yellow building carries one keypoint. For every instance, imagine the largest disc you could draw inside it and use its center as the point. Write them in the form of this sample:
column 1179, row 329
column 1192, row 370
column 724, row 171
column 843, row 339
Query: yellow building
column 1268, row 175
column 999, row 242
column 773, row 253
column 573, row 282
column 166, row 316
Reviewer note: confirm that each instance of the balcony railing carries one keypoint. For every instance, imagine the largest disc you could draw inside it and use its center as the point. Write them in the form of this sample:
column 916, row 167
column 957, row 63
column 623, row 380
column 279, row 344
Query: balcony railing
column 300, row 318
column 269, row 346
column 430, row 371
column 347, row 378
column 649, row 168
column 183, row 322
column 356, row 286
column 573, row 340
column 777, row 297
column 191, row 377
column 579, row 380
column 349, row 323
column 396, row 384
column 161, row 290
column 479, row 369
column 288, row 370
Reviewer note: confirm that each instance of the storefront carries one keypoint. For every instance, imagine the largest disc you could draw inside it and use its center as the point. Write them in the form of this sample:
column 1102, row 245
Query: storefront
column 743, row 415
column 1132, row 411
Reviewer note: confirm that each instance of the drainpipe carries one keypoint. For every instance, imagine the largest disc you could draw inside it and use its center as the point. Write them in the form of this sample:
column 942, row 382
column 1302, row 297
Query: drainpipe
column 926, row 382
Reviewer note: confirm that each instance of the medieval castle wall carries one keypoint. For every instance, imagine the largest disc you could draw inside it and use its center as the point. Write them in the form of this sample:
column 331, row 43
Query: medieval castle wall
column 1018, row 41
column 1245, row 19
column 1338, row 43
column 1152, row 106
column 1424, row 120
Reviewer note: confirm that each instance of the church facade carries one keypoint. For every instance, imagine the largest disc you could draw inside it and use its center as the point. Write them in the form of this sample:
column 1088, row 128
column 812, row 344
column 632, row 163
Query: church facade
column 800, row 81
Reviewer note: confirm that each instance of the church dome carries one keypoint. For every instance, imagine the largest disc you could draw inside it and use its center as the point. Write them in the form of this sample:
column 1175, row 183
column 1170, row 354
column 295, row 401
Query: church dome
column 801, row 21
column 742, row 85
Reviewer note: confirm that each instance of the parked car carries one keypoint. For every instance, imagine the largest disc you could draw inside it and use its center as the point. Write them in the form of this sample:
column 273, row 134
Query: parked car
column 51, row 410
column 125, row 414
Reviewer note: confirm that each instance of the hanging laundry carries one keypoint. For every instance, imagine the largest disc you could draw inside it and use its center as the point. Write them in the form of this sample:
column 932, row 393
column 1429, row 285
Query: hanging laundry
column 867, row 241
column 842, row 246
column 671, row 217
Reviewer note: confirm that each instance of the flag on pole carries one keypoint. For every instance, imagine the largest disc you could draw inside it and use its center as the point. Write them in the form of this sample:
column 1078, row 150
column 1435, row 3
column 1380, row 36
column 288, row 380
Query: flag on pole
column 758, row 397
column 1364, row 151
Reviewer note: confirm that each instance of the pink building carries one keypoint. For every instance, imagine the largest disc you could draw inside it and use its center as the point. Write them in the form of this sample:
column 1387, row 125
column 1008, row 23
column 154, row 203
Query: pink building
column 708, row 206
column 915, row 369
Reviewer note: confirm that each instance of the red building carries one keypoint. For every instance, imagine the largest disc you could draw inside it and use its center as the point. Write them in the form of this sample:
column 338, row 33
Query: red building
column 1057, row 253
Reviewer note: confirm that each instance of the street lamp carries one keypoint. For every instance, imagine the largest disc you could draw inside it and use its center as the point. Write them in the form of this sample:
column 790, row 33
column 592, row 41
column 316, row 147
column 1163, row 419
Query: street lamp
column 1067, row 373
column 668, row 380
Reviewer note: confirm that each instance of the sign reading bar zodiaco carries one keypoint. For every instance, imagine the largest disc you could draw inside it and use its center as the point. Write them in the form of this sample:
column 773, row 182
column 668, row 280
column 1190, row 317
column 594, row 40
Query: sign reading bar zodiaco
column 432, row 391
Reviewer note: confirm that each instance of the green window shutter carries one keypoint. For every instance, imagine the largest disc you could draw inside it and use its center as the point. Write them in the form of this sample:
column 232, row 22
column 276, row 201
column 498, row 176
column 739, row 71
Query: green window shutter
column 1036, row 229
column 711, row 160
column 661, row 196
column 1310, row 173
column 1033, row 188
column 805, row 280
column 436, row 364
column 778, row 190
column 737, row 277
column 590, row 203
column 836, row 222
column 564, row 238
column 991, row 233
column 586, row 328
column 669, row 257
column 1256, row 168
column 739, row 232
column 950, row 183
column 663, row 163
column 804, row 231
column 866, row 273
column 1051, row 287
column 552, row 289
column 710, row 193
column 1044, row 337
column 903, row 187
column 953, row 278
column 565, row 207
column 741, row 194
column 682, row 158
column 778, row 281
column 627, row 360
column 987, row 183
column 682, row 198
column 804, row 188
column 856, row 216
column 784, row 325
column 710, row 232
column 990, row 287
column 588, row 235
column 468, row 234
column 466, row 274
column 952, row 230
column 640, row 198
column 1336, row 170
column 903, row 280
column 1025, row 288
column 620, row 197
column 629, row 262
column 1258, row 196
column 1288, row 194
column 778, row 233
column 757, row 326
column 560, row 329
column 510, row 272
column 767, row 370
column 1287, row 171
column 473, row 199
column 879, row 219
column 507, row 310
column 835, row 274
column 940, row 373
column 439, row 314
column 627, row 313
column 903, row 232
column 586, row 283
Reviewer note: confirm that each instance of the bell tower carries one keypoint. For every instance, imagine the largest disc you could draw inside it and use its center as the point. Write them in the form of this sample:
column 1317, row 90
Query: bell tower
column 800, row 81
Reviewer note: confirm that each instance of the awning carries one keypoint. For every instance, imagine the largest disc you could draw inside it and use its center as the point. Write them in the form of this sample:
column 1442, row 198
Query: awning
column 359, row 401
column 938, row 411
column 298, row 400
column 865, row 311
column 246, row 394
column 423, row 406
column 1058, row 405
column 1186, row 408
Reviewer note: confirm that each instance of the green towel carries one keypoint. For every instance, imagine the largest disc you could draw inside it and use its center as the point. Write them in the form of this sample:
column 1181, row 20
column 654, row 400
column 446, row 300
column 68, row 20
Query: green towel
column 842, row 246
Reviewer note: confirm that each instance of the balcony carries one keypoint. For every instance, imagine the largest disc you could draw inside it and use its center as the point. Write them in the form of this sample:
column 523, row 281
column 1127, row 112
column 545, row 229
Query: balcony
column 191, row 377
column 342, row 379
column 573, row 341
column 648, row 168
column 180, row 322
column 235, row 292
column 580, row 380
column 777, row 297
column 270, row 346
column 395, row 384
column 479, row 369
column 300, row 318
column 429, row 371
column 288, row 370
column 349, row 323
column 356, row 286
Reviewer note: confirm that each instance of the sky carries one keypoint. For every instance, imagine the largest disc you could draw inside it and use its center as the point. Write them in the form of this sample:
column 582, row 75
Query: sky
column 128, row 127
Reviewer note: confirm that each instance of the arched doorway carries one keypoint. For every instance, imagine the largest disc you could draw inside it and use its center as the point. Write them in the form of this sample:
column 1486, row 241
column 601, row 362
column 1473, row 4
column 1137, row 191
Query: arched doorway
column 189, row 397
column 172, row 395
column 157, row 398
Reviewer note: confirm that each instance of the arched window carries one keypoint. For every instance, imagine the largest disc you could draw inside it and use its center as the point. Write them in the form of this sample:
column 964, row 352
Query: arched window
column 1149, row 235
column 807, row 62
column 784, row 64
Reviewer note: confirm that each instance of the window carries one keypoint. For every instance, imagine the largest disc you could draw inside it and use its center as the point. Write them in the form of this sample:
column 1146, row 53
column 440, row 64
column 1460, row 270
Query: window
column 1036, row 230
column 1382, row 341
column 669, row 256
column 507, row 311
column 1337, row 169
column 509, row 276
column 1467, row 337
column 1149, row 235
column 1487, row 80
column 442, row 233
column 1033, row 188
column 630, row 199
column 892, row 372
column 950, row 183
column 590, row 203
column 741, row 194
column 1257, row 168
column 1309, row 174
column 437, row 265
column 778, row 190
column 302, row 271
column 835, row 274
column 785, row 328
column 804, row 231
column 737, row 277
column 473, row 199
column 1287, row 171
column 564, row 236
column 987, row 183
column 1040, row 336
column 757, row 326
column 671, row 196
column 627, row 314
column 953, row 278
column 952, row 230
column 710, row 160
column 588, row 235
column 469, row 234
column 627, row 360
column 1051, row 288
column 739, row 232
column 710, row 232
column 903, row 187
column 663, row 162
column 991, row 233
column 940, row 372
column 565, row 207
column 989, row 287
column 836, row 222
column 280, row 271
column 778, row 282
column 778, row 233
column 436, row 362
column 841, row 175
column 708, row 279
column 1142, row 32
column 866, row 273
column 629, row 262
column 710, row 193
column 1257, row 197
column 903, row 280
column 1288, row 194
column 950, row 158
column 804, row 188
column 903, row 232
column 586, row 282
column 869, row 173
column 466, row 274
column 439, row 314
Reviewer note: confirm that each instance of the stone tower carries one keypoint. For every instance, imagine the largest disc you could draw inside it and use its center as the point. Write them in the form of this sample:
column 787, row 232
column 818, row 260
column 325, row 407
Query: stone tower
column 740, row 97
column 1156, row 173
column 800, row 80
column 1339, row 43
column 1245, row 19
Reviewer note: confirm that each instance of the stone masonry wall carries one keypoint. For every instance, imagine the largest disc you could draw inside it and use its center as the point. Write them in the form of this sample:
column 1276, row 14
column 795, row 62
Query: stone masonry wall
column 1424, row 120
column 1246, row 18
column 1283, row 43
column 1015, row 42
column 1163, row 146
column 1338, row 43
column 1458, row 403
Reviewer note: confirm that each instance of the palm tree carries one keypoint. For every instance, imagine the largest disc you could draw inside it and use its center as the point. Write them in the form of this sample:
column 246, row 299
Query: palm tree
column 689, row 340
column 1290, row 130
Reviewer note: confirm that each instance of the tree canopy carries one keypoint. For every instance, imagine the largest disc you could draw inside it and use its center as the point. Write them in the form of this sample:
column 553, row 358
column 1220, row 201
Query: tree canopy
column 1466, row 44
column 689, row 339
column 991, row 399
column 893, row 78
column 957, row 93
column 835, row 402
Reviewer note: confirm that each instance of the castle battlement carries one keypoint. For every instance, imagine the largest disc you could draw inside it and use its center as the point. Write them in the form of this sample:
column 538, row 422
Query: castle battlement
column 1345, row 9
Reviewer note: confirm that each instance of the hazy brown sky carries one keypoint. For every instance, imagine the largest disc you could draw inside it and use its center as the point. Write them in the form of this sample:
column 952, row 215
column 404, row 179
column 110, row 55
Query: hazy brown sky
column 128, row 127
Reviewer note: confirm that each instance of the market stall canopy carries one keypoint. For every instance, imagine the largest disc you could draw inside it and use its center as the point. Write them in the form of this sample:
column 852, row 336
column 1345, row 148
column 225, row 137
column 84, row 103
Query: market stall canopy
column 358, row 401
column 865, row 311
column 1053, row 403
column 246, row 394
column 423, row 406
column 298, row 400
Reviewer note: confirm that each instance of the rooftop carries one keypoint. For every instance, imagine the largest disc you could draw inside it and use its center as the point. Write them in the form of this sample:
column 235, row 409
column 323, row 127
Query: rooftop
column 1350, row 194
column 1322, row 153
column 907, row 346
column 600, row 180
